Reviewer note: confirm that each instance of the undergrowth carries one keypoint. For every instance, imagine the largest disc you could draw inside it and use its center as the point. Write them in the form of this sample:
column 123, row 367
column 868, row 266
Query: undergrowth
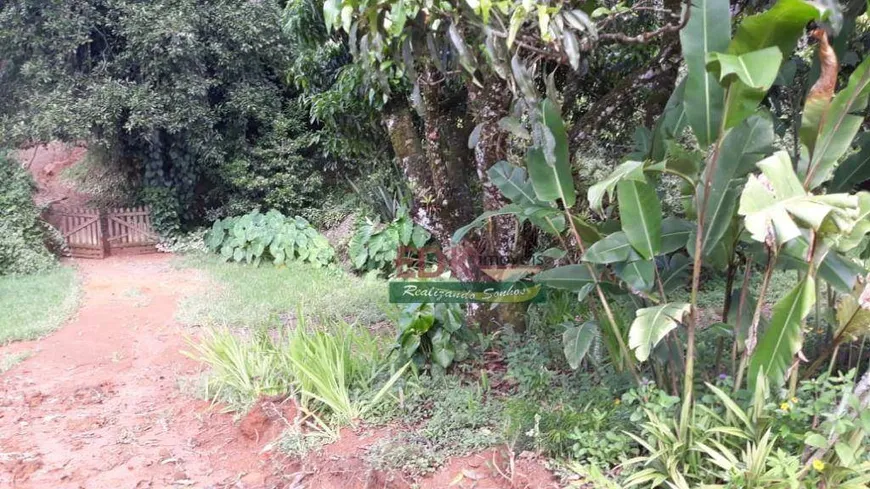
column 445, row 417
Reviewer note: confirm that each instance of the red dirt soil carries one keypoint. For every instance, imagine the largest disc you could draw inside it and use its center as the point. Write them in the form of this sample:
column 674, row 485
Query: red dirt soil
column 98, row 405
column 46, row 162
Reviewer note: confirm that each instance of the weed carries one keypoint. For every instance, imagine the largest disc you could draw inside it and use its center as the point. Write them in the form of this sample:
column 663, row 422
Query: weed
column 242, row 369
column 35, row 305
column 298, row 443
column 449, row 419
column 336, row 370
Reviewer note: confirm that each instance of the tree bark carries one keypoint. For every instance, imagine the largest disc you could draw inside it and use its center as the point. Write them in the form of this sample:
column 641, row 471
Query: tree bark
column 434, row 171
column 503, row 238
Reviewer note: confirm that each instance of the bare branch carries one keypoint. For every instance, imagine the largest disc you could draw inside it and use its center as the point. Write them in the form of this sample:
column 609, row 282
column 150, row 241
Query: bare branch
column 646, row 37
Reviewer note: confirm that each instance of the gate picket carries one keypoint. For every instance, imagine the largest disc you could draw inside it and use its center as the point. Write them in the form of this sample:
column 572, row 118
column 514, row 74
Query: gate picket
column 90, row 233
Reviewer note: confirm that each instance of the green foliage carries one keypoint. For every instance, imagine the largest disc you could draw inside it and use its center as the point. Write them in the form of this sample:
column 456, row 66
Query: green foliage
column 652, row 324
column 165, row 209
column 577, row 340
column 591, row 433
column 37, row 304
column 23, row 234
column 186, row 99
column 334, row 369
column 432, row 332
column 242, row 369
column 373, row 247
column 284, row 170
column 296, row 442
column 756, row 443
column 254, row 237
column 449, row 418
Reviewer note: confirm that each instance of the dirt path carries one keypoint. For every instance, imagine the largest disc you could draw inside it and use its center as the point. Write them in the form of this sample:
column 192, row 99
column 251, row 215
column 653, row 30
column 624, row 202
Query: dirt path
column 98, row 404
column 46, row 162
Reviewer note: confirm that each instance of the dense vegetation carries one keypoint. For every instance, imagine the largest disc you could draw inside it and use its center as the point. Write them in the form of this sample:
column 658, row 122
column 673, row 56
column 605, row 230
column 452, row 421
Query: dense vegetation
column 691, row 186
column 24, row 237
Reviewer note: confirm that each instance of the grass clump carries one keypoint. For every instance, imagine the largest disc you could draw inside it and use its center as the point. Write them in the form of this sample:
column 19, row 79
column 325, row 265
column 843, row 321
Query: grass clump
column 35, row 305
column 446, row 418
column 9, row 360
column 337, row 371
column 250, row 297
column 297, row 443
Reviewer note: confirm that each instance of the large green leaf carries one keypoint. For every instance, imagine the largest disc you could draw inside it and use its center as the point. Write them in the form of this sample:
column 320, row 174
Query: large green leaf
column 777, row 206
column 612, row 249
column 641, row 215
column 639, row 275
column 576, row 341
column 652, row 324
column 550, row 219
column 676, row 273
column 840, row 123
column 862, row 225
column 853, row 315
column 747, row 77
column 627, row 170
column 568, row 277
column 675, row 234
column 513, row 183
column 782, row 340
column 419, row 236
column 835, row 269
column 443, row 350
column 549, row 165
column 741, row 148
column 781, row 26
column 587, row 231
column 708, row 30
column 670, row 124
column 479, row 221
column 855, row 169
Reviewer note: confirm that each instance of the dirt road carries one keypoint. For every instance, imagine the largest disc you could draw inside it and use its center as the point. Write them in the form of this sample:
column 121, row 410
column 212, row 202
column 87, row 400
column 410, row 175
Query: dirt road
column 98, row 405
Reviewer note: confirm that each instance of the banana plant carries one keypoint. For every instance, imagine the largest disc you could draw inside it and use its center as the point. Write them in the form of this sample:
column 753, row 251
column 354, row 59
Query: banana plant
column 743, row 201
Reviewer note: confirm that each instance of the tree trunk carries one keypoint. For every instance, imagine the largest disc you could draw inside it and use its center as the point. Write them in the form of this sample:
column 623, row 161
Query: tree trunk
column 502, row 239
column 441, row 195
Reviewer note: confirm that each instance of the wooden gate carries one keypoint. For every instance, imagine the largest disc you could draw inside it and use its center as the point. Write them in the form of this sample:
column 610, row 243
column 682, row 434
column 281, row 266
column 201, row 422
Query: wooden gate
column 82, row 231
column 131, row 230
column 90, row 233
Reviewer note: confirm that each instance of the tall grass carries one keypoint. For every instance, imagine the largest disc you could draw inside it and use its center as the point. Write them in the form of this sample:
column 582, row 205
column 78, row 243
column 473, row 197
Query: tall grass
column 35, row 305
column 337, row 368
column 337, row 372
column 249, row 297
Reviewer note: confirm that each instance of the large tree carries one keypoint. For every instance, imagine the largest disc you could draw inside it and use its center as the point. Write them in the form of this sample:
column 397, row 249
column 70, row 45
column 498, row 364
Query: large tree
column 188, row 97
column 458, row 81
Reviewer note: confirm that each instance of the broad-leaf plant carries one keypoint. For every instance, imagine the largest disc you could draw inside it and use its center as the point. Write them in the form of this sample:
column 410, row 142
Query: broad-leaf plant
column 746, row 205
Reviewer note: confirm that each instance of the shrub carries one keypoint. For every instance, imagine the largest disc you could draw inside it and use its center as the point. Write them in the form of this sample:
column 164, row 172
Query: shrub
column 23, row 234
column 253, row 237
column 432, row 332
column 372, row 248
